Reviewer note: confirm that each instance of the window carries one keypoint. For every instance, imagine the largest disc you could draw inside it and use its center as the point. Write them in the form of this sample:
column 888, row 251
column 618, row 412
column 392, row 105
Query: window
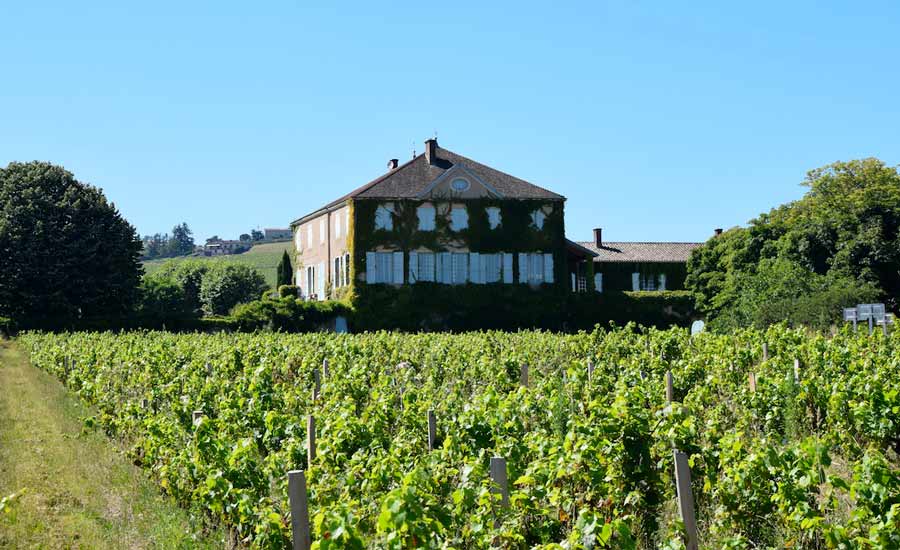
column 598, row 282
column 347, row 268
column 460, row 268
column 336, row 274
column 298, row 240
column 310, row 281
column 493, row 217
column 384, row 267
column 322, row 229
column 492, row 265
column 459, row 185
column 645, row 281
column 535, row 268
column 309, row 236
column 337, row 227
column 459, row 218
column 537, row 218
column 426, row 217
column 421, row 267
column 384, row 218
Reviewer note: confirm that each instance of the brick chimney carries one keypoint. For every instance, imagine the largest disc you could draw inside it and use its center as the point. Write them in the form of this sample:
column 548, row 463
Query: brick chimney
column 718, row 231
column 431, row 151
column 392, row 164
column 598, row 237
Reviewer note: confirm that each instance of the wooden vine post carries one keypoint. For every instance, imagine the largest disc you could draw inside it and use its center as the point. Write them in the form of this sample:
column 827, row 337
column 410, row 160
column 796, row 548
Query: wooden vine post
column 765, row 352
column 523, row 375
column 796, row 371
column 590, row 370
column 670, row 387
column 299, row 510
column 432, row 430
column 318, row 384
column 325, row 371
column 310, row 441
column 498, row 476
column 685, row 499
column 752, row 379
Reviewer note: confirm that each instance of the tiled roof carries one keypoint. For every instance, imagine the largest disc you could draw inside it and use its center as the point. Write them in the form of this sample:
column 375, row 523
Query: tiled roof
column 409, row 180
column 642, row 252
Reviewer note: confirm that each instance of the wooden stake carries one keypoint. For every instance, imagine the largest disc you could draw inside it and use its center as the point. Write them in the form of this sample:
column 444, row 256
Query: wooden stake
column 318, row 385
column 432, row 430
column 310, row 441
column 670, row 387
column 523, row 375
column 752, row 378
column 685, row 499
column 325, row 370
column 796, row 371
column 299, row 510
column 590, row 370
column 765, row 351
column 498, row 476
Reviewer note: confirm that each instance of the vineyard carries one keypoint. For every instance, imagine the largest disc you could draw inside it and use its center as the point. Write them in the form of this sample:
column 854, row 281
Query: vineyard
column 782, row 453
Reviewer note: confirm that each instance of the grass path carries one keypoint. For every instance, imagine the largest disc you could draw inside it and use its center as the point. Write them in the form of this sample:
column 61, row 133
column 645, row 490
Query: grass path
column 79, row 492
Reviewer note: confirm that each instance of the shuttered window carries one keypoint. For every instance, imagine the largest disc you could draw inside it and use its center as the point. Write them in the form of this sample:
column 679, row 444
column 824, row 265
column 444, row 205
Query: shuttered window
column 598, row 282
column 459, row 218
column 537, row 218
column 384, row 267
column 309, row 236
column 424, row 266
column 493, row 214
column 337, row 227
column 322, row 230
column 384, row 218
column 460, row 268
column 492, row 267
column 648, row 281
column 536, row 268
column 426, row 216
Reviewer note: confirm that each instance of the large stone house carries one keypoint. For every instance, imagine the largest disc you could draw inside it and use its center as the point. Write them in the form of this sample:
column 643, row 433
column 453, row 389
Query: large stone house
column 440, row 218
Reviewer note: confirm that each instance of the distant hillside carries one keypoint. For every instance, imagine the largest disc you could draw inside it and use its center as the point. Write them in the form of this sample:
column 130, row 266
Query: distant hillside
column 264, row 257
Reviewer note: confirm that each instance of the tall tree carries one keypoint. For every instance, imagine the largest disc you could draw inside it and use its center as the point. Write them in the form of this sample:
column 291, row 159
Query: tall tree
column 256, row 235
column 66, row 253
column 285, row 270
column 182, row 241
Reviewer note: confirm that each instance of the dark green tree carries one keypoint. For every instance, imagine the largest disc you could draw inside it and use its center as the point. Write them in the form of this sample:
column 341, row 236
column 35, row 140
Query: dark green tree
column 285, row 271
column 66, row 252
column 256, row 235
column 182, row 241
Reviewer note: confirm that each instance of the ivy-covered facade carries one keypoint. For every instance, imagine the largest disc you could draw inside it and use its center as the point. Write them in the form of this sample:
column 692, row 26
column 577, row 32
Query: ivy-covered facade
column 440, row 219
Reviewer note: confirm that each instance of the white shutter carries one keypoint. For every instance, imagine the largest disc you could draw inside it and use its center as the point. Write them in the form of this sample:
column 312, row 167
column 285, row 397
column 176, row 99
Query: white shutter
column 574, row 288
column 598, row 282
column 662, row 281
column 475, row 268
column 446, row 271
column 413, row 267
column 320, row 281
column 523, row 267
column 548, row 268
column 439, row 267
column 398, row 268
column 507, row 268
column 370, row 268
column 635, row 281
column 425, row 271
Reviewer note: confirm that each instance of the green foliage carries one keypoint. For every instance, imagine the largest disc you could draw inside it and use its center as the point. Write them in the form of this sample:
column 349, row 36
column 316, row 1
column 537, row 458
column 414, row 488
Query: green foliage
column 809, row 463
column 263, row 257
column 782, row 290
column 7, row 326
column 286, row 314
column 66, row 253
column 284, row 271
column 163, row 301
column 225, row 286
column 842, row 239
column 435, row 307
column 287, row 291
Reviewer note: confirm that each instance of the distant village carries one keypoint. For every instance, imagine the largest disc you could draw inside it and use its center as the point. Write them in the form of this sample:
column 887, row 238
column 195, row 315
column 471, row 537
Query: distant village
column 215, row 246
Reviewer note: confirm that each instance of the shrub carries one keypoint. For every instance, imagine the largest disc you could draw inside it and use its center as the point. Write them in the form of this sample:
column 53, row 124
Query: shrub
column 226, row 285
column 287, row 291
column 287, row 314
column 162, row 301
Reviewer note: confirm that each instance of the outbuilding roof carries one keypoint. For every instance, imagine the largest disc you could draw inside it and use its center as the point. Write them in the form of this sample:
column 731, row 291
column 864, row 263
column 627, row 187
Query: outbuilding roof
column 641, row 252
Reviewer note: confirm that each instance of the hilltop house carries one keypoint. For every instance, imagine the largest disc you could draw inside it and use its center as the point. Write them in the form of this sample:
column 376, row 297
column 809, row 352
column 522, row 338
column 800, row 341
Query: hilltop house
column 440, row 218
column 636, row 266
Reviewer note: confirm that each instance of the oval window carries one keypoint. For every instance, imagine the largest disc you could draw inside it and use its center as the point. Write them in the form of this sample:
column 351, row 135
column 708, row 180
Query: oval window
column 459, row 184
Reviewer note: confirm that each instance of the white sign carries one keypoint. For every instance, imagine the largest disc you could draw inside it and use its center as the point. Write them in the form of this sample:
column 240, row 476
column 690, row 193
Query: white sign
column 850, row 314
column 697, row 327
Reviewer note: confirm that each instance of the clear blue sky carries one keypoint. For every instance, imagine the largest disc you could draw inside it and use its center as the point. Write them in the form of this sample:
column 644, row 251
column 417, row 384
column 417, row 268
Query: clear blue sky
column 657, row 121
